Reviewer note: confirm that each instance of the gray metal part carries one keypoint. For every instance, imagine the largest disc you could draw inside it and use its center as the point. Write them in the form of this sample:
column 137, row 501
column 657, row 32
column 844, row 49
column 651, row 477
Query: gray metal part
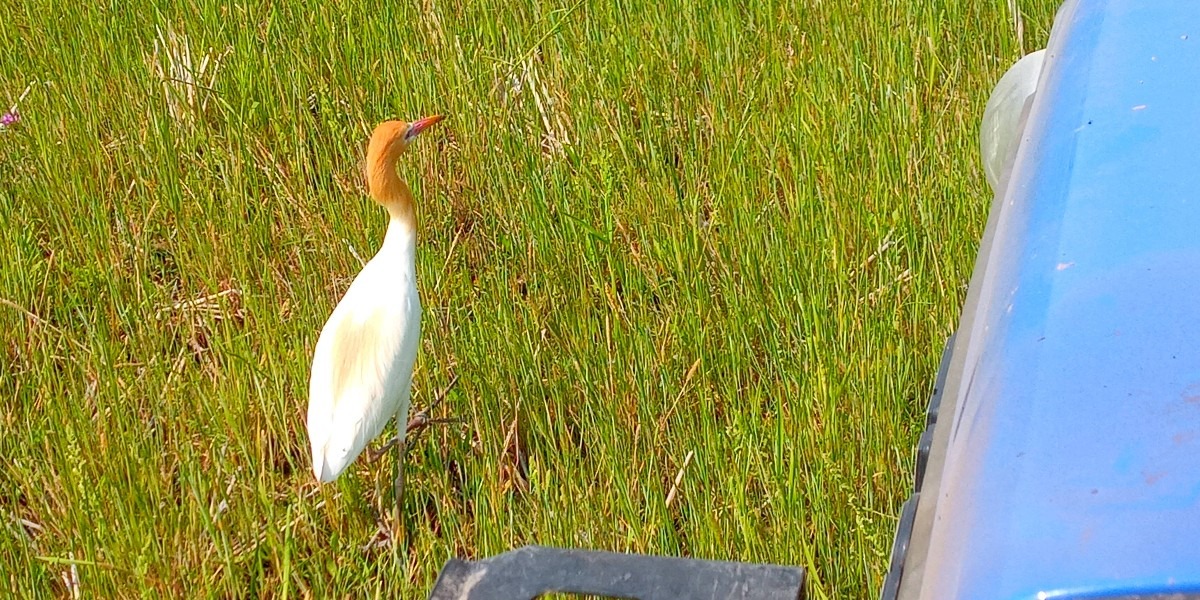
column 531, row 571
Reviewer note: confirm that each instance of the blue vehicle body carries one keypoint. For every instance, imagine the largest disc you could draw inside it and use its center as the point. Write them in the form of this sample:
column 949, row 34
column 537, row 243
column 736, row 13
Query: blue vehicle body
column 1063, row 454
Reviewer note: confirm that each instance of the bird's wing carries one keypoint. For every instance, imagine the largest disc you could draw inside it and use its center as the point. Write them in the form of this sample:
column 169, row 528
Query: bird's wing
column 361, row 376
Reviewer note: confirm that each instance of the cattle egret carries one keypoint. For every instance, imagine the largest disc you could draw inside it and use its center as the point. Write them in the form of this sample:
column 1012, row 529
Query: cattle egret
column 363, row 364
column 999, row 133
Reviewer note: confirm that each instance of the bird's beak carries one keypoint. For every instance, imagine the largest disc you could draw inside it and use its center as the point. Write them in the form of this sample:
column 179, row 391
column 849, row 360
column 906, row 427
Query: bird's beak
column 416, row 127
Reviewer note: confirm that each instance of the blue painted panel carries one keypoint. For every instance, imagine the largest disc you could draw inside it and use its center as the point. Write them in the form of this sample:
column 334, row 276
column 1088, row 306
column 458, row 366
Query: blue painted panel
column 1074, row 460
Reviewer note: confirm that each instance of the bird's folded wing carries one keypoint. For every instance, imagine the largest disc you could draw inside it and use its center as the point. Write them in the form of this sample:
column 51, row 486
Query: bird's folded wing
column 353, row 391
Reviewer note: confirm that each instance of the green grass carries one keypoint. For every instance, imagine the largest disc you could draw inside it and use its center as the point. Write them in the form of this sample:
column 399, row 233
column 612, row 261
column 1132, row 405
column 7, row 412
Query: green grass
column 739, row 231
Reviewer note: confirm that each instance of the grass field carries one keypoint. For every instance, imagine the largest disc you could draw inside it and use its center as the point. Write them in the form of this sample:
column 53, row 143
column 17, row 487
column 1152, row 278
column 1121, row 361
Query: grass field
column 738, row 232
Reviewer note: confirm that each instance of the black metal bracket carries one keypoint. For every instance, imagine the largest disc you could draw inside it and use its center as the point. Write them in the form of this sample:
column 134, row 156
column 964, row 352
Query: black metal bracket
column 908, row 512
column 528, row 572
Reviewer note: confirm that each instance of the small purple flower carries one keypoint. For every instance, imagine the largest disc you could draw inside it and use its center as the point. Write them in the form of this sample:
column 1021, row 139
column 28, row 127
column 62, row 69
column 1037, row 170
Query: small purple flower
column 9, row 119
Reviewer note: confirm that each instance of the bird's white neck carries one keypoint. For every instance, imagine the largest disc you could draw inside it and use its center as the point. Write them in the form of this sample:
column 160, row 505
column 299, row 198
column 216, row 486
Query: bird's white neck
column 400, row 243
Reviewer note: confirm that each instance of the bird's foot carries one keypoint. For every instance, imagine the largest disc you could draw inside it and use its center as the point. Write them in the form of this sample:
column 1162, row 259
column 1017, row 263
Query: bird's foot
column 377, row 454
column 421, row 419
column 382, row 539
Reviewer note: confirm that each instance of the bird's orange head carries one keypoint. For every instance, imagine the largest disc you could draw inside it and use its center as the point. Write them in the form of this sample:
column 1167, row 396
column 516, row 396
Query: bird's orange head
column 391, row 138
column 388, row 142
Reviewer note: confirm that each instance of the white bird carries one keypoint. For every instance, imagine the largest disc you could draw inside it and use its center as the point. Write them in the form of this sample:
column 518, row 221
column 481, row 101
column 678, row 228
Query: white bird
column 363, row 363
column 999, row 133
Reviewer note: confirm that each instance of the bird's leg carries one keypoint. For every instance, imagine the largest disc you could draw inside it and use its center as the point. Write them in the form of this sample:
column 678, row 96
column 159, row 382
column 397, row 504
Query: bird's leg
column 398, row 483
column 402, row 442
column 377, row 506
